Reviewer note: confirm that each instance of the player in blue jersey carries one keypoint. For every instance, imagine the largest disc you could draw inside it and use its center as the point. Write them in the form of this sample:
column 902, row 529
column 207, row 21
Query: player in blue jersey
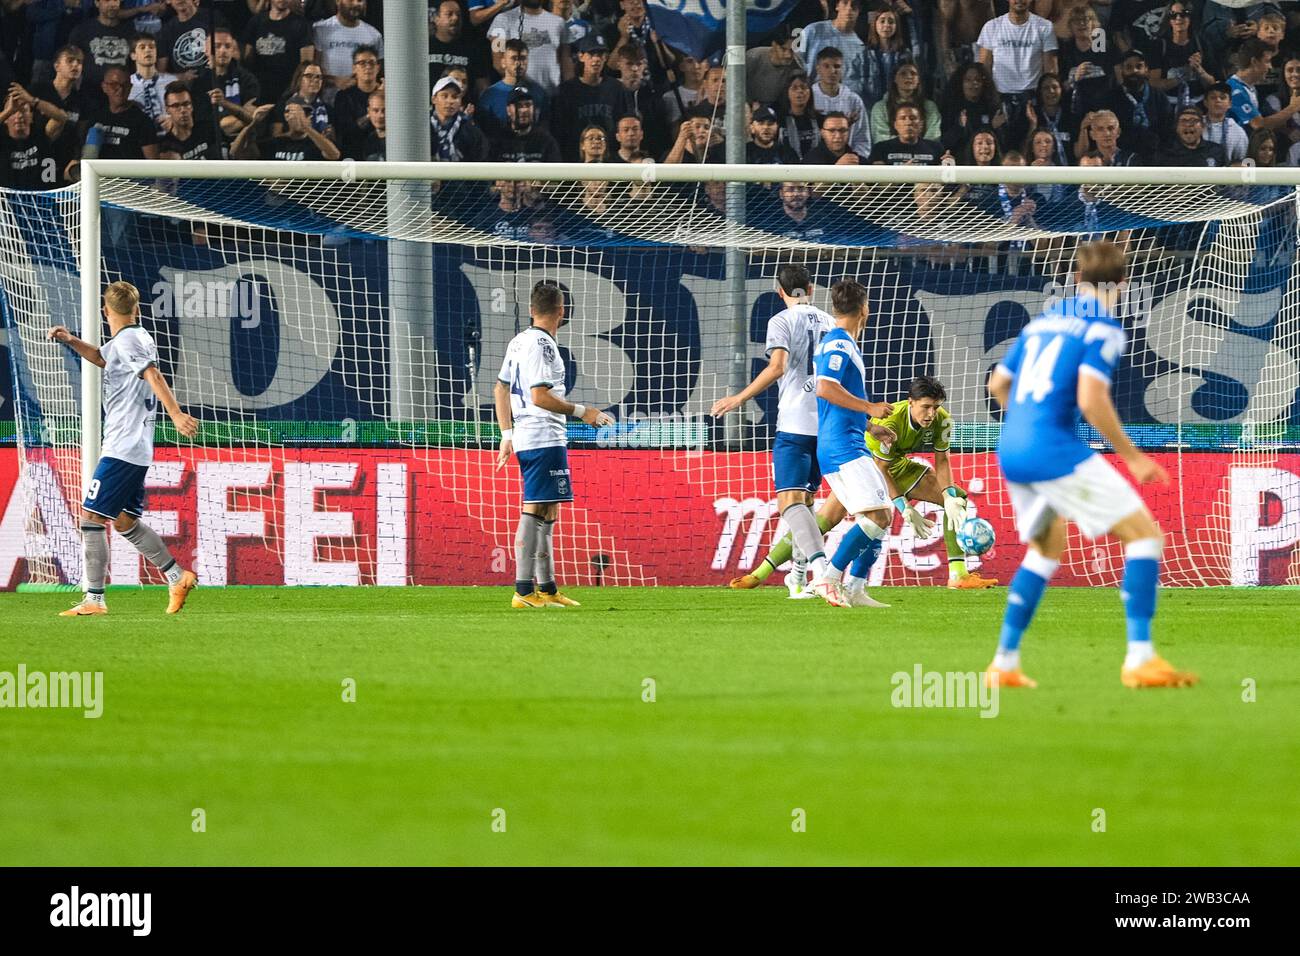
column 1059, row 368
column 133, row 390
column 792, row 336
column 843, row 414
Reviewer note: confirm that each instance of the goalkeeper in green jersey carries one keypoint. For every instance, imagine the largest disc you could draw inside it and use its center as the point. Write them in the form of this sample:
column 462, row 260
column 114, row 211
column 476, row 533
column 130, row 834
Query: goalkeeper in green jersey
column 922, row 424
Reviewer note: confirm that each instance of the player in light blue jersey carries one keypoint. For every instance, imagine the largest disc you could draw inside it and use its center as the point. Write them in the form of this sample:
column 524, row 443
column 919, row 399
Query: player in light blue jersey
column 133, row 390
column 1060, row 368
column 843, row 414
column 792, row 336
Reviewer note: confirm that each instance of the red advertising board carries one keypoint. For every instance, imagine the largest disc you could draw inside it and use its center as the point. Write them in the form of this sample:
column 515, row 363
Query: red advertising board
column 392, row 516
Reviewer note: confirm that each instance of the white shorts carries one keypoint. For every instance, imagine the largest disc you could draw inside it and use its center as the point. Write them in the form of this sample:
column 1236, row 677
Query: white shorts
column 1094, row 496
column 859, row 486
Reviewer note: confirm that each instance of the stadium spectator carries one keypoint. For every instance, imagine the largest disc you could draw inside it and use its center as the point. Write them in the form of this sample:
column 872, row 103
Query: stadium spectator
column 1046, row 110
column 1220, row 127
column 1100, row 132
column 713, row 94
column 521, row 140
column 841, row 34
column 183, row 40
column 449, row 46
column 337, row 38
column 483, row 11
column 1043, row 149
column 629, row 134
column 1288, row 94
column 518, row 206
column 835, row 148
column 1253, row 59
column 908, row 148
column 970, row 101
column 906, row 88
column 797, row 219
column 374, row 147
column 642, row 99
column 1180, row 64
column 308, row 80
column 147, row 84
column 490, row 113
column 45, row 30
column 1144, row 113
column 29, row 128
column 1016, row 205
column 957, row 28
column 768, row 69
column 105, row 40
column 1270, row 30
column 982, row 149
column 232, row 90
column 456, row 139
column 300, row 141
column 1189, row 146
column 182, row 140
column 1137, row 23
column 800, row 128
column 632, row 28
column 549, row 63
column 64, row 92
column 830, row 95
column 119, row 129
column 1088, row 62
column 1223, row 27
column 1080, row 209
column 884, row 52
column 685, row 92
column 276, row 40
column 765, row 147
column 352, row 106
column 696, row 140
column 575, row 26
column 1262, row 150
column 1017, row 47
column 590, row 98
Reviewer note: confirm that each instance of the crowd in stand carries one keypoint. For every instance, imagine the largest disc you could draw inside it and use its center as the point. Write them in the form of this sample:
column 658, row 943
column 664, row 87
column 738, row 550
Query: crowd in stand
column 1037, row 82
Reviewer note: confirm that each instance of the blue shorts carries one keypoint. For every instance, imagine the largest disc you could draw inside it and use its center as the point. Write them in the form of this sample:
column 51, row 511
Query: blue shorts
column 546, row 474
column 116, row 487
column 794, row 460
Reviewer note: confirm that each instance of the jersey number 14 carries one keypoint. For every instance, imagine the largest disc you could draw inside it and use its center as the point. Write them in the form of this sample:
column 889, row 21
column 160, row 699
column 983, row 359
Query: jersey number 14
column 1034, row 380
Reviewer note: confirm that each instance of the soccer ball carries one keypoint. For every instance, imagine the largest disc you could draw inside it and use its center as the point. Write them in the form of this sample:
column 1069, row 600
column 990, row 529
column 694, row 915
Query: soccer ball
column 976, row 536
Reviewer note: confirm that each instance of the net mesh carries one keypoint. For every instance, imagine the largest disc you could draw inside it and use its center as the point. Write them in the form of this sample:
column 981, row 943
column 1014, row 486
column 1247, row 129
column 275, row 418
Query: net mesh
column 347, row 429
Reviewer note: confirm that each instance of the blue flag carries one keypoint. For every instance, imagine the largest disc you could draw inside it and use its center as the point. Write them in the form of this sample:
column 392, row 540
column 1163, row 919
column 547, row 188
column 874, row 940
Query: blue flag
column 699, row 27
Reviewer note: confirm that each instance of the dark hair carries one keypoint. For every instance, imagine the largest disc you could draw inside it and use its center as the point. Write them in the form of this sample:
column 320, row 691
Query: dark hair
column 847, row 297
column 968, row 151
column 547, row 299
column 71, row 52
column 954, row 99
column 1252, row 48
column 364, row 48
column 832, row 114
column 829, row 53
column 632, row 53
column 794, row 280
column 141, row 38
column 518, row 46
column 176, row 87
column 1028, row 150
column 783, row 104
column 927, row 386
column 893, row 100
column 1093, row 154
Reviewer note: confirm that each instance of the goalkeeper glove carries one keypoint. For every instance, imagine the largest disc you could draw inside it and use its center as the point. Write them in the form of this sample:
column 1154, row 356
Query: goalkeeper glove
column 921, row 525
column 954, row 506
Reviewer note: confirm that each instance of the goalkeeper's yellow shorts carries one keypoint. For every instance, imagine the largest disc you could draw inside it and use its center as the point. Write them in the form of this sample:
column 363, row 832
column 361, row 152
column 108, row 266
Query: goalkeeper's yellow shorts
column 907, row 474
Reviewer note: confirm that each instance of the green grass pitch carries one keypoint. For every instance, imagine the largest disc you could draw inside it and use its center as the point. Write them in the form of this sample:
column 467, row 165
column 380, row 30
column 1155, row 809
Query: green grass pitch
column 762, row 705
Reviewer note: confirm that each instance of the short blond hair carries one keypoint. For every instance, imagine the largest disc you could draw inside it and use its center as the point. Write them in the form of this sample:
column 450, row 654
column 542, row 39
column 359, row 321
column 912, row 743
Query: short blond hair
column 122, row 298
column 1102, row 261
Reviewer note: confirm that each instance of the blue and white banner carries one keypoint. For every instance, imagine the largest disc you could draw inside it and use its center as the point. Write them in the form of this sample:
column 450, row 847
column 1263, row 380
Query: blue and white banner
column 699, row 27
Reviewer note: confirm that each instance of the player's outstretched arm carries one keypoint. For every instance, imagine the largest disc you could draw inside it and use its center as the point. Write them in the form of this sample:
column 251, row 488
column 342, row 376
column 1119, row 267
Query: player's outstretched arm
column 835, row 393
column 505, row 421
column 186, row 424
column 1000, row 387
column 761, row 383
column 543, row 397
column 89, row 352
column 1099, row 410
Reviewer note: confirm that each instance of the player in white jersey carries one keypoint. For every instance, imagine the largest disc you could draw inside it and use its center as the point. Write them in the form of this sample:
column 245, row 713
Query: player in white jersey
column 531, row 408
column 133, row 390
column 792, row 337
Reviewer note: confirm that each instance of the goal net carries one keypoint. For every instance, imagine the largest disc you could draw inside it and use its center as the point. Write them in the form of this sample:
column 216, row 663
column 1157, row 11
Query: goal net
column 339, row 334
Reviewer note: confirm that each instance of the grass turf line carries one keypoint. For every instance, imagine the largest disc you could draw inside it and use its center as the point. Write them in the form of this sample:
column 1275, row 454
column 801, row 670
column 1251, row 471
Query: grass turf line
column 763, row 705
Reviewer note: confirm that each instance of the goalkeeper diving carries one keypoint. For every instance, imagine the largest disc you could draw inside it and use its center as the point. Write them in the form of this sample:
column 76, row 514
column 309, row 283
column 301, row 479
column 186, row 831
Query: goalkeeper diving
column 921, row 424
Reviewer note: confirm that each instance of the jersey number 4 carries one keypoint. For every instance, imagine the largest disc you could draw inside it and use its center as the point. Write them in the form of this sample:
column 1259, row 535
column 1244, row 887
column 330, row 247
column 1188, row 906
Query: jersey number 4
column 1034, row 380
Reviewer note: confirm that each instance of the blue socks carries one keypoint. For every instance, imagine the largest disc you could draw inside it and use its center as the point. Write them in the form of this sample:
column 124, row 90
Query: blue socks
column 851, row 545
column 1026, row 591
column 866, row 558
column 1141, row 575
